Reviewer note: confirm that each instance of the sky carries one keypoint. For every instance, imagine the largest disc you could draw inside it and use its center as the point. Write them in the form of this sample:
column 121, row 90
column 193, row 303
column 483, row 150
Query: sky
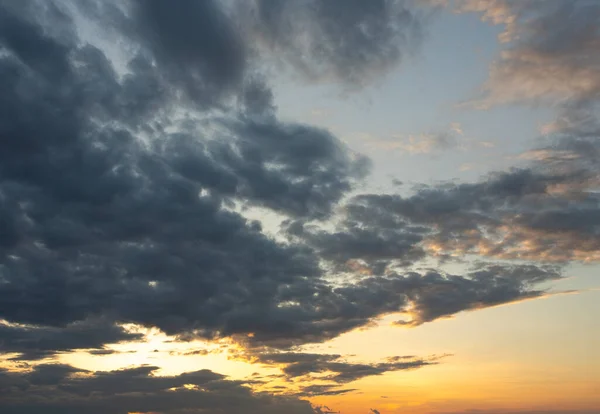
column 299, row 206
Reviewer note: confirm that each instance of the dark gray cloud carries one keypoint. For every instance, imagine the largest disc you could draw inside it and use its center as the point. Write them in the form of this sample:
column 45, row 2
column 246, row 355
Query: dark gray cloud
column 197, row 352
column 257, row 98
column 295, row 357
column 37, row 342
column 437, row 296
column 64, row 389
column 328, row 373
column 49, row 374
column 352, row 42
column 321, row 390
column 98, row 223
column 326, row 312
column 338, row 371
column 196, row 44
column 368, row 240
column 433, row 294
column 545, row 212
column 100, row 352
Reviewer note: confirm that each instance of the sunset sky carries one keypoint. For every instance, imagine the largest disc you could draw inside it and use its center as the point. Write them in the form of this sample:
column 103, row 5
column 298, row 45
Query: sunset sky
column 299, row 206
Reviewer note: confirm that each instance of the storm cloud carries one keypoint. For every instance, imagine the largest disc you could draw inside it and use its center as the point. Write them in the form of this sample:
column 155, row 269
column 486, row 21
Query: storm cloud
column 90, row 211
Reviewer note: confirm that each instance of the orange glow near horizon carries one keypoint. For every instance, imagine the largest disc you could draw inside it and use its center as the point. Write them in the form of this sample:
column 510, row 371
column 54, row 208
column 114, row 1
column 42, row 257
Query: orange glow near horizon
column 486, row 371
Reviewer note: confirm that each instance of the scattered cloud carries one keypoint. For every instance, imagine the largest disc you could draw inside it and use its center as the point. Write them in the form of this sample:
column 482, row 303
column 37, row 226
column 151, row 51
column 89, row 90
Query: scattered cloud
column 338, row 371
column 551, row 55
column 321, row 390
column 349, row 42
column 541, row 215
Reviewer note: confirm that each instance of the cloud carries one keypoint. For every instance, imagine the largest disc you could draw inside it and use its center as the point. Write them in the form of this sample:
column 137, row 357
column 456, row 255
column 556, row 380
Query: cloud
column 322, row 390
column 296, row 169
column 542, row 213
column 552, row 51
column 550, row 58
column 119, row 182
column 344, row 372
column 196, row 43
column 100, row 352
column 351, row 42
column 294, row 358
column 115, row 206
column 197, row 352
column 100, row 223
column 118, row 187
column 327, row 312
column 327, row 372
column 361, row 243
column 64, row 389
column 38, row 342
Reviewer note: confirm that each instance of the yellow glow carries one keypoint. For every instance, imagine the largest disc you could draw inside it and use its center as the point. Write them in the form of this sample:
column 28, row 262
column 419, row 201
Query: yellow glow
column 170, row 356
column 503, row 358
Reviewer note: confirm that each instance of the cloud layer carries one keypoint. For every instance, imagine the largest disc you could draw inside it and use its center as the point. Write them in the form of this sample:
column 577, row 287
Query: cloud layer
column 63, row 389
